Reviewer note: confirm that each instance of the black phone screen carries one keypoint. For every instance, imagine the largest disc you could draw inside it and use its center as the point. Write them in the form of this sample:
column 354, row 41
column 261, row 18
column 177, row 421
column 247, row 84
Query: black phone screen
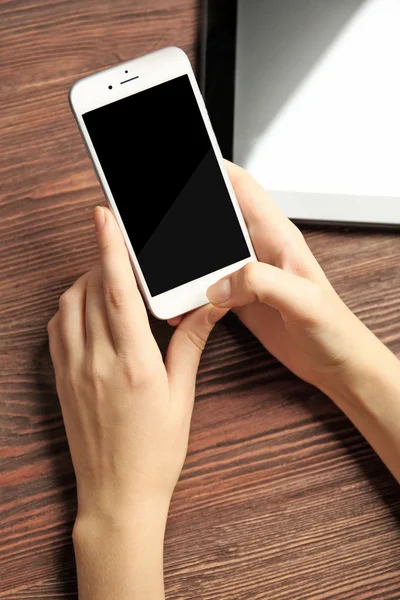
column 159, row 163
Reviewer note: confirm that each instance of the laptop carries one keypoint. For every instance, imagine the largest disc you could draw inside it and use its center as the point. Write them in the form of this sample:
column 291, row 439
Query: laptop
column 305, row 94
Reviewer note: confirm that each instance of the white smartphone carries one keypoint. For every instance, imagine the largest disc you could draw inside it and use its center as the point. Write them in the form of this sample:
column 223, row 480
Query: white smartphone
column 150, row 138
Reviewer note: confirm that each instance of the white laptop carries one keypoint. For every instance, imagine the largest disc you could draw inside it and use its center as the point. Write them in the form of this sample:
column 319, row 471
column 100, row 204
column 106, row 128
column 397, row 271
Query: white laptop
column 317, row 106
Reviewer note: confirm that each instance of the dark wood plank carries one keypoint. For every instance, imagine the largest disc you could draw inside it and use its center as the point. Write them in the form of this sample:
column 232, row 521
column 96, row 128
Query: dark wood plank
column 280, row 497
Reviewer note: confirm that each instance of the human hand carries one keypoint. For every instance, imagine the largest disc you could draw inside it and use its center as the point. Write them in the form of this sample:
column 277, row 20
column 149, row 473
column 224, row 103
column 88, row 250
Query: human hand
column 126, row 414
column 285, row 299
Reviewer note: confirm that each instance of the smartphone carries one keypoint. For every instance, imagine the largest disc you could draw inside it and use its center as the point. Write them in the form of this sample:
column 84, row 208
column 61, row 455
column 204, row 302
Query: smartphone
column 150, row 138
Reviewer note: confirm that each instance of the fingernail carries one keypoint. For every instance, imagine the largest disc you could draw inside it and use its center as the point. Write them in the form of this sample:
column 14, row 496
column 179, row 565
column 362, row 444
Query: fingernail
column 99, row 218
column 220, row 291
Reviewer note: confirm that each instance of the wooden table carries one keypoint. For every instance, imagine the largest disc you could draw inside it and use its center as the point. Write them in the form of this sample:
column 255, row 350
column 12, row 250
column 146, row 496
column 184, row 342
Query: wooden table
column 280, row 498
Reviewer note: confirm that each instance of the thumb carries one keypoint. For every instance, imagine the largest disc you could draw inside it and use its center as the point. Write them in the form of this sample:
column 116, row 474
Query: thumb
column 291, row 295
column 186, row 346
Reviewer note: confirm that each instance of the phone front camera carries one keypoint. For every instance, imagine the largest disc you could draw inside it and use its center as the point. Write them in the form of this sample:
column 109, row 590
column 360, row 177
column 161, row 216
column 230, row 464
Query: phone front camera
column 110, row 87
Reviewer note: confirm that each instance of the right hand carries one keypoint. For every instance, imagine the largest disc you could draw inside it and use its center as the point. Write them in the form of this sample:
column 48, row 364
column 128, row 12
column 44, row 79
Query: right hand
column 285, row 299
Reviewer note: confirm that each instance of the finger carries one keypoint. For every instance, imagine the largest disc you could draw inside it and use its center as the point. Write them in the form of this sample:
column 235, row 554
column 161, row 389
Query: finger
column 55, row 345
column 256, row 204
column 293, row 296
column 97, row 326
column 267, row 225
column 126, row 313
column 186, row 347
column 72, row 319
column 276, row 239
column 174, row 322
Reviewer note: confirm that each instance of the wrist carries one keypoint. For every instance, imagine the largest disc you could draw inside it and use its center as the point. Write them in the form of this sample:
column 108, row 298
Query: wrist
column 369, row 394
column 141, row 515
column 108, row 501
column 120, row 553
column 364, row 377
column 353, row 354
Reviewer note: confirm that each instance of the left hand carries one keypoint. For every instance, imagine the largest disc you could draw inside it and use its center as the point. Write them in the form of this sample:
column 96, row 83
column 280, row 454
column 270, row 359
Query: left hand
column 127, row 415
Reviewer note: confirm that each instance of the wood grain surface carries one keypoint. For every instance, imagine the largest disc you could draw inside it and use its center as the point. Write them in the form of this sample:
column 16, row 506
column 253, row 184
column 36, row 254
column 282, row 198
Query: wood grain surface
column 280, row 498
